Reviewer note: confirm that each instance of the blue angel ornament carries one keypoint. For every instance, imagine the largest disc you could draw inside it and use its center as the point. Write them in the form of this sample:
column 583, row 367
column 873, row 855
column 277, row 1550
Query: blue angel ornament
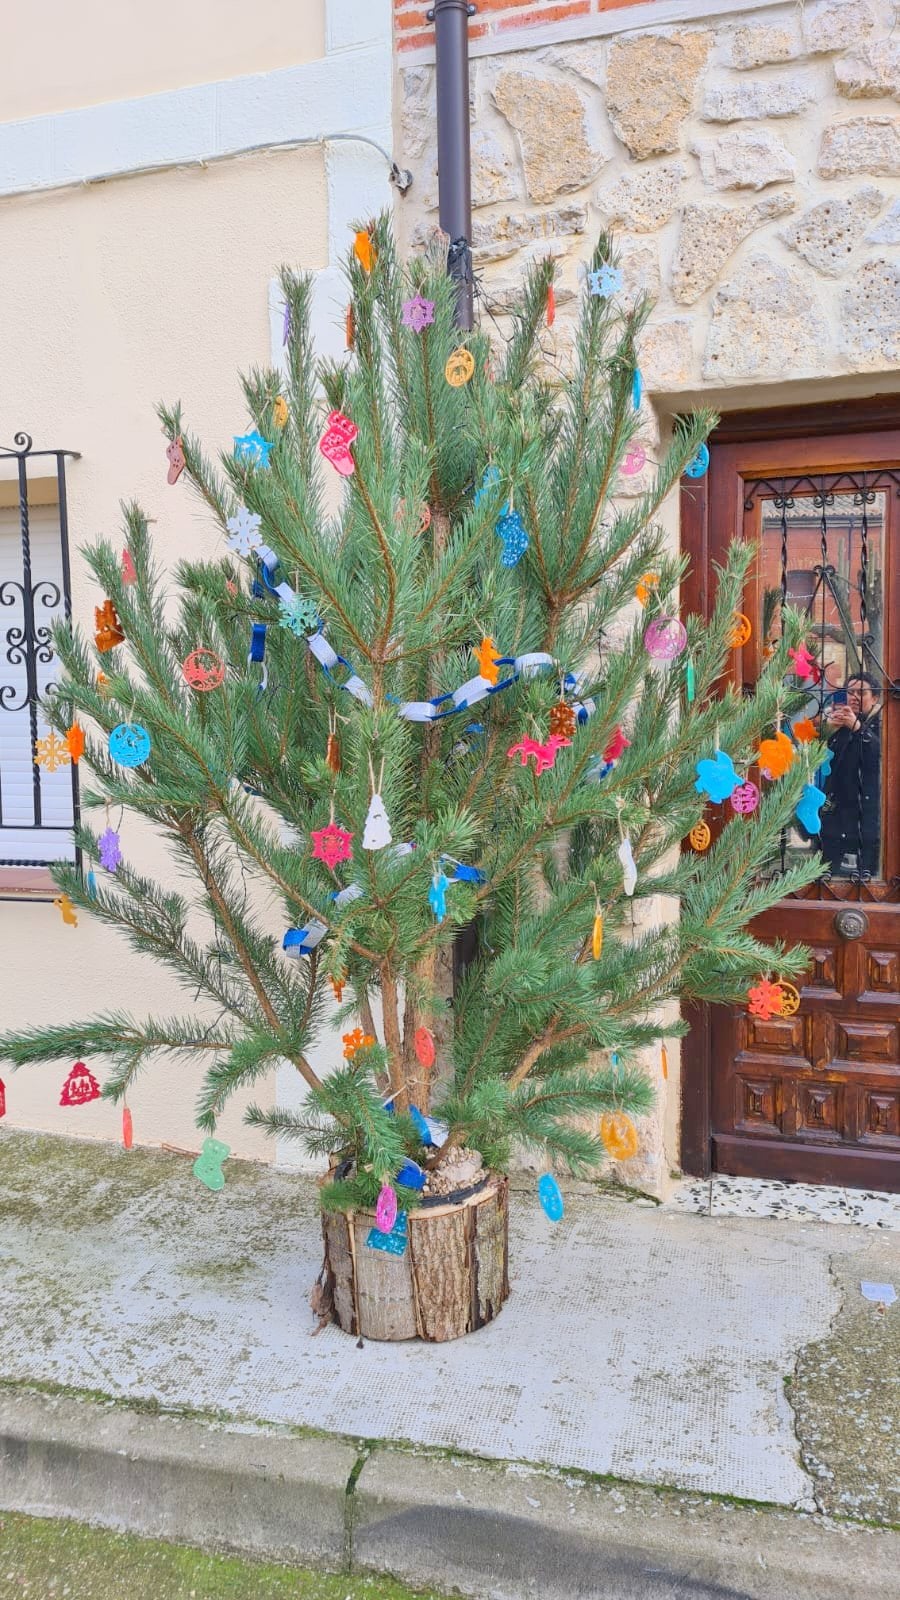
column 716, row 777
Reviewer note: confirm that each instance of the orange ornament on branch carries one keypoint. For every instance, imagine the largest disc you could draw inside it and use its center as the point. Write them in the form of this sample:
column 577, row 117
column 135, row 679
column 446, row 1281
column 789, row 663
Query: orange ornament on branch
column 357, row 1040
column 108, row 629
column 562, row 720
column 741, row 632
column 619, row 1135
column 765, row 1000
column 776, row 755
column 804, row 731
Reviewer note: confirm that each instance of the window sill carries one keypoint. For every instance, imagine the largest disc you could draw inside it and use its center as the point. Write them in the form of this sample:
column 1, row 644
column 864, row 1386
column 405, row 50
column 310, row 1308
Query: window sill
column 27, row 883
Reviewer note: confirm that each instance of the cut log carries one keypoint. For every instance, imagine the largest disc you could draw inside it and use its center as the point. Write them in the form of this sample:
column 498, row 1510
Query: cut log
column 452, row 1277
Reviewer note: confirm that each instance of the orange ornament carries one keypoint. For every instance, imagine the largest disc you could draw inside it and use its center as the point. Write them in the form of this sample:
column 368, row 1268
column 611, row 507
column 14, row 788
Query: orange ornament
column 75, row 742
column 551, row 306
column 741, row 632
column 280, row 412
column 597, row 935
column 619, row 1135
column 108, row 629
column 127, row 1128
column 563, row 720
column 337, row 985
column 644, row 586
column 664, row 1061
column 700, row 836
column 766, row 999
column 333, row 754
column 804, row 731
column 357, row 1040
column 487, row 658
column 364, row 250
column 776, row 755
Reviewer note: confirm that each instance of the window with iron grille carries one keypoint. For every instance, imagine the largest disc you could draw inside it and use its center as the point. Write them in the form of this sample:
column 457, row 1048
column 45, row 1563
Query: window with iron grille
column 38, row 798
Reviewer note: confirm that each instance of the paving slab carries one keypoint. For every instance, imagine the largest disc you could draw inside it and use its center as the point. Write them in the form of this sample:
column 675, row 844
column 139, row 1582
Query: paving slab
column 641, row 1343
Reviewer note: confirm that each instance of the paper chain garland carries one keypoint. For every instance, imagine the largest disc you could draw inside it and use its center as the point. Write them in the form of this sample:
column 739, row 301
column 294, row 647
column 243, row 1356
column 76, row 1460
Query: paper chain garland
column 445, row 705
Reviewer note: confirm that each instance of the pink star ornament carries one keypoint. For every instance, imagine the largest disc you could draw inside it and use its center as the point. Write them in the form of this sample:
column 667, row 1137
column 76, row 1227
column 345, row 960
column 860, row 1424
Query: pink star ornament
column 331, row 845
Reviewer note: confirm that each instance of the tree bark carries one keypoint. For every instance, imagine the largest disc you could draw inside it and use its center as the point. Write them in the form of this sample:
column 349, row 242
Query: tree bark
column 453, row 1276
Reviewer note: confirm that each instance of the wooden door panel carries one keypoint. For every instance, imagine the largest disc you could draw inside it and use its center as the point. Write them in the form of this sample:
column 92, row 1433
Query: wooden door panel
column 815, row 1096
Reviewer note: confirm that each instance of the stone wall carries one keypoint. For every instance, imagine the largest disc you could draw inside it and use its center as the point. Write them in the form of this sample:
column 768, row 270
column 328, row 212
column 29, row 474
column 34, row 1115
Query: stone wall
column 748, row 165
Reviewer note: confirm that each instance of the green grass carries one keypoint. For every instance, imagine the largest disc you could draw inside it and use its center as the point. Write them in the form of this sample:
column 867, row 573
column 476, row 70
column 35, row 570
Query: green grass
column 51, row 1560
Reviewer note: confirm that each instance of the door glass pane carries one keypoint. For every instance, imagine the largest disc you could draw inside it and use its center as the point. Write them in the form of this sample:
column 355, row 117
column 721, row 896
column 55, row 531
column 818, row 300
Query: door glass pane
column 824, row 554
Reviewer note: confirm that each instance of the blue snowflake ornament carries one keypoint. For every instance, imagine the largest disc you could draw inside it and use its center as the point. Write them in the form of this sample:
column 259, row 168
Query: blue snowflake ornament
column 700, row 464
column 605, row 281
column 488, row 483
column 717, row 777
column 514, row 535
column 811, row 802
column 251, row 449
column 300, row 615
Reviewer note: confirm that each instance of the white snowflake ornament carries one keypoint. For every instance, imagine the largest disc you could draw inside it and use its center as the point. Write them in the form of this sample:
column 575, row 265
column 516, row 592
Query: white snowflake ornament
column 243, row 529
column 377, row 831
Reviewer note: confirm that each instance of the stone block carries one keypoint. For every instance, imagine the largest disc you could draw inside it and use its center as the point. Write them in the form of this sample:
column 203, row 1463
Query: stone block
column 496, row 237
column 710, row 233
column 757, row 98
column 766, row 323
column 872, row 74
column 587, row 60
column 870, row 317
column 887, row 231
column 495, row 172
column 650, row 84
column 762, row 44
column 639, row 261
column 747, row 158
column 837, row 24
column 828, row 234
column 643, row 200
column 865, row 144
column 550, row 120
column 667, row 355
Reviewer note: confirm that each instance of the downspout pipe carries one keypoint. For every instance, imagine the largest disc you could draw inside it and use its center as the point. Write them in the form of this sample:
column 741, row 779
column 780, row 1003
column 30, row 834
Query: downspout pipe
column 451, row 31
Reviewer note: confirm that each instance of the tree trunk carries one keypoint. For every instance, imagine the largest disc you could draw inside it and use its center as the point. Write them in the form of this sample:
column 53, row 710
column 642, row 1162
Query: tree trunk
column 452, row 1277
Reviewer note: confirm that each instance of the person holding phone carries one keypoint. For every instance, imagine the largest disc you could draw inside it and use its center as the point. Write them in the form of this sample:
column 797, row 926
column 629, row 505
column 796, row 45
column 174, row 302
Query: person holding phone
column 851, row 818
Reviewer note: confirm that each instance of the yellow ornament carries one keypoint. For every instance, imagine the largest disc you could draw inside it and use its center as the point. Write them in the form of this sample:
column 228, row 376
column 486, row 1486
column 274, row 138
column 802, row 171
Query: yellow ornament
column 52, row 752
column 67, row 909
column 460, row 367
column 700, row 836
column 280, row 412
column 790, row 999
column 597, row 936
column 619, row 1135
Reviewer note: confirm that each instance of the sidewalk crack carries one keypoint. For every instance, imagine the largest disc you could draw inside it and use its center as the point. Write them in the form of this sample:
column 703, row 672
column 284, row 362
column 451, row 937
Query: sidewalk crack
column 367, row 1449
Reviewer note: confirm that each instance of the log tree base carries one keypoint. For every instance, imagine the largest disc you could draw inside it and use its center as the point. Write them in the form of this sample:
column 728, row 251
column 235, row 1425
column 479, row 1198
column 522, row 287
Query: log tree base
column 452, row 1277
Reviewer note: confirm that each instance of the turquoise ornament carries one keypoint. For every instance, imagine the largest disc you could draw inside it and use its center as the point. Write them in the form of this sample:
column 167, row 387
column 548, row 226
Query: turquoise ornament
column 717, row 777
column 550, row 1197
column 690, row 682
column 395, row 1242
column 129, row 744
column 637, row 389
column 811, row 802
column 699, row 465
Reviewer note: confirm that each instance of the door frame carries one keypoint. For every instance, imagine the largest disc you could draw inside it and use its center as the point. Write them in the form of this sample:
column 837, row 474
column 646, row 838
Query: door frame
column 879, row 413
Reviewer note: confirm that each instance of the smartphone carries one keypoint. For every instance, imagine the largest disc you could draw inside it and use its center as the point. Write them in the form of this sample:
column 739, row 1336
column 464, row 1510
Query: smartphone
column 839, row 698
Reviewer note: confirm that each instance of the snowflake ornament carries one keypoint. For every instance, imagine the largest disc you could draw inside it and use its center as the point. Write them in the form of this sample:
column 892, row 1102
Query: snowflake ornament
column 765, row 1000
column 418, row 313
column 109, row 850
column 52, row 752
column 331, row 845
column 299, row 615
column 605, row 281
column 251, row 449
column 243, row 529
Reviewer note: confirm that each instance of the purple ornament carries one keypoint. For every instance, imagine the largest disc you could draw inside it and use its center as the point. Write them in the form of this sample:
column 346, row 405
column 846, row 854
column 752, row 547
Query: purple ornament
column 418, row 313
column 108, row 849
column 665, row 638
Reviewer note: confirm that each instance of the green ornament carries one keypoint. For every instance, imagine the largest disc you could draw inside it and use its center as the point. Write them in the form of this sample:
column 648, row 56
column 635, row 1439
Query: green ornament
column 208, row 1165
column 690, row 681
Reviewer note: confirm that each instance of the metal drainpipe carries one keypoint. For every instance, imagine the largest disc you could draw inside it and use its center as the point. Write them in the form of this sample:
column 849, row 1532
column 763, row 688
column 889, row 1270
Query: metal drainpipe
column 450, row 18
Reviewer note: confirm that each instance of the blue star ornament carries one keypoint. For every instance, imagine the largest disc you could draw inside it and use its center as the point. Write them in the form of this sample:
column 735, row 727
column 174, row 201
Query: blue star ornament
column 514, row 535
column 252, row 449
column 605, row 281
column 717, row 777
column 811, row 802
column 699, row 465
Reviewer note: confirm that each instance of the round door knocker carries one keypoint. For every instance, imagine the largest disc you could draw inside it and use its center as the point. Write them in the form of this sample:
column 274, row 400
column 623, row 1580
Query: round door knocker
column 851, row 924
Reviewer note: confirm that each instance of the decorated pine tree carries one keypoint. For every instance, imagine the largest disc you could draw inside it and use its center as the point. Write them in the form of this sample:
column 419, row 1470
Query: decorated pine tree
column 435, row 696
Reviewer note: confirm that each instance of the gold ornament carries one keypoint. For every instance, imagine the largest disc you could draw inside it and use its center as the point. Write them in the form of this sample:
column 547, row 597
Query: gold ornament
column 741, row 631
column 460, row 367
column 52, row 752
column 619, row 1135
column 700, row 836
column 790, row 999
column 280, row 412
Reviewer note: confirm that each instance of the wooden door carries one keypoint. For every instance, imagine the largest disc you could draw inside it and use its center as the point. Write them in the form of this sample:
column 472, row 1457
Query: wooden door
column 815, row 1097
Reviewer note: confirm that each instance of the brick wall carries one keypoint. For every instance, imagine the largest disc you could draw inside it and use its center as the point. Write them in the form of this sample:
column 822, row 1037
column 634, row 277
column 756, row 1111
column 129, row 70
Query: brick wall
column 495, row 16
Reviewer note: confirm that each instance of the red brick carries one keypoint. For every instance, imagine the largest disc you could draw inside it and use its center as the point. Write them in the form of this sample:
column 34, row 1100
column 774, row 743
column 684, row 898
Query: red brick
column 415, row 41
column 557, row 13
column 411, row 19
